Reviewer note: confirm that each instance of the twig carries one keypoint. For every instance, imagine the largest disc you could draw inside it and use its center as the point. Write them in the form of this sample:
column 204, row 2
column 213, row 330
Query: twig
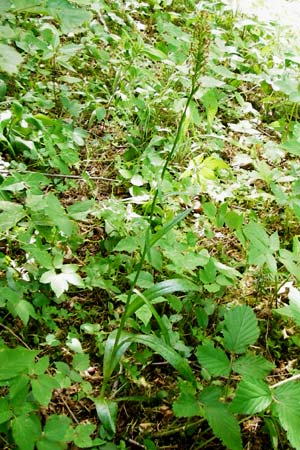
column 60, row 175
column 294, row 377
column 131, row 441
column 15, row 335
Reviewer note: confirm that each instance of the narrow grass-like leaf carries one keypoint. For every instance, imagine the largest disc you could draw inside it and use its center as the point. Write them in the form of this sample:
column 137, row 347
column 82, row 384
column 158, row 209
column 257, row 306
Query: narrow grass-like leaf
column 107, row 413
column 168, row 353
column 161, row 289
column 168, row 226
column 113, row 355
column 156, row 315
column 240, row 329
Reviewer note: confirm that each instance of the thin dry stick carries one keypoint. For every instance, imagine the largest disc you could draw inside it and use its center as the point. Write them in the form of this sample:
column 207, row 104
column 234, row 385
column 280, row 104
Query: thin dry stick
column 15, row 335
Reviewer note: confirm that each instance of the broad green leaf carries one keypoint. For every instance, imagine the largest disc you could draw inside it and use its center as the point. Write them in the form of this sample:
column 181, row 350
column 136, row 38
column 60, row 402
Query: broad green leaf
column 167, row 353
column 210, row 102
column 145, row 279
column 13, row 361
column 107, row 412
column 292, row 146
column 5, row 411
column 21, row 308
column 57, row 214
column 10, row 213
column 46, row 444
column 252, row 366
column 187, row 404
column 81, row 436
column 80, row 210
column 252, row 396
column 56, row 427
column 42, row 388
column 81, row 361
column 41, row 365
column 26, row 430
column 10, row 59
column 214, row 360
column 240, row 329
column 293, row 309
column 256, row 233
column 71, row 18
column 128, row 244
column 287, row 407
column 222, row 422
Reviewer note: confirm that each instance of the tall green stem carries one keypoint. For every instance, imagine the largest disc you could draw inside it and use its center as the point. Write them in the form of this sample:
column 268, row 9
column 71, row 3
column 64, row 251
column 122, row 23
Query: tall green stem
column 200, row 57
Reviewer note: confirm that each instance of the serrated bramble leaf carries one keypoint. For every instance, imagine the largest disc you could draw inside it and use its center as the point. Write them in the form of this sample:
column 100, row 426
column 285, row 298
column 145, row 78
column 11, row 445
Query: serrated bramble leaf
column 187, row 404
column 252, row 366
column 240, row 329
column 213, row 359
column 287, row 407
column 252, row 396
column 222, row 422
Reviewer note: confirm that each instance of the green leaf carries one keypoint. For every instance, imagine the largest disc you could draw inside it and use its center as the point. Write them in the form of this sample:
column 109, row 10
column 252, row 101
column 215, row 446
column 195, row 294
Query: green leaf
column 240, row 329
column 42, row 388
column 107, row 412
column 113, row 355
column 161, row 289
column 10, row 59
column 81, row 361
column 252, row 366
column 214, row 360
column 82, row 434
column 222, row 422
column 187, row 404
column 287, row 407
column 15, row 361
column 252, row 396
column 26, row 430
column 5, row 412
column 57, row 214
column 168, row 353
column 128, row 244
column 168, row 226
column 10, row 213
column 71, row 18
column 56, row 427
